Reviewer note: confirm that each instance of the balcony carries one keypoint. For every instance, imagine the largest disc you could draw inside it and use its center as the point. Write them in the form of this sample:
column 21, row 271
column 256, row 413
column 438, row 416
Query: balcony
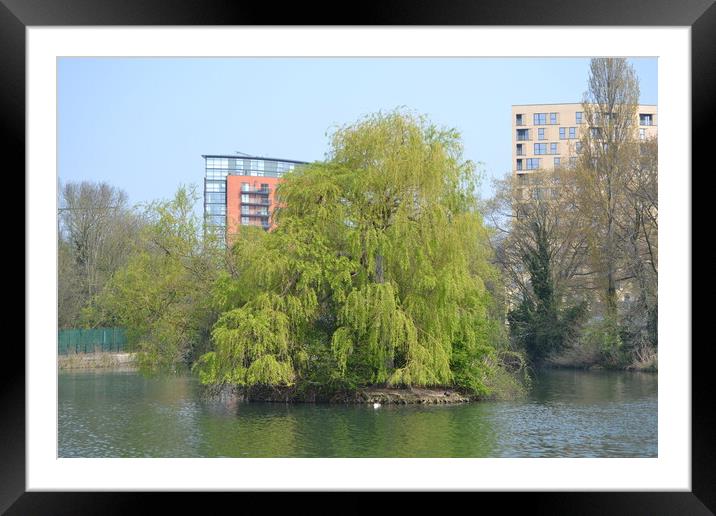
column 260, row 191
column 256, row 202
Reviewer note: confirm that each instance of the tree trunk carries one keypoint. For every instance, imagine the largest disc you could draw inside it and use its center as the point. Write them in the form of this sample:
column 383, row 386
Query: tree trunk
column 379, row 270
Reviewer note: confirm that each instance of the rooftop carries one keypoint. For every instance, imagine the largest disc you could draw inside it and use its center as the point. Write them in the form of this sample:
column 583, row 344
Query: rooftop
column 567, row 104
column 241, row 156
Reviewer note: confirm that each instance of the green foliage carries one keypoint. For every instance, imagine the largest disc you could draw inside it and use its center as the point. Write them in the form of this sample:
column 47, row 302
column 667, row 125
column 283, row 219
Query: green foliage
column 162, row 294
column 543, row 330
column 539, row 325
column 603, row 336
column 375, row 274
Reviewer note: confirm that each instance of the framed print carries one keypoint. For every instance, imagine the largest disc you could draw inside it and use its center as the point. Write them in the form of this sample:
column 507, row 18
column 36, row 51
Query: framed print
column 278, row 280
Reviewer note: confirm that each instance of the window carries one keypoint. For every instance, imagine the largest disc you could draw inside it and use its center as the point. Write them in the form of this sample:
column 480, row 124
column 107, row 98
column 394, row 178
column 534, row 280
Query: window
column 557, row 162
column 596, row 132
column 217, row 163
column 216, row 209
column 540, row 119
column 572, row 132
column 520, row 149
column 642, row 133
column 215, row 186
column 523, row 134
column 518, row 120
column 215, row 198
column 553, row 148
column 645, row 119
column 553, row 118
column 578, row 117
column 244, row 187
column 540, row 148
column 540, row 133
column 578, row 147
column 533, row 163
column 537, row 194
column 562, row 133
column 244, row 210
column 216, row 220
column 519, row 164
column 244, row 221
column 244, row 198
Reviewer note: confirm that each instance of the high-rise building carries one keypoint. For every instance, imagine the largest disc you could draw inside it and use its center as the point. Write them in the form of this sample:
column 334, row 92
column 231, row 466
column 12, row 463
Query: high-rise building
column 240, row 190
column 545, row 136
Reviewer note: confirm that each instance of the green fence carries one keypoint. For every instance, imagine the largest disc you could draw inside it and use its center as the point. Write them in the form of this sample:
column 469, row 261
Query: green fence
column 91, row 340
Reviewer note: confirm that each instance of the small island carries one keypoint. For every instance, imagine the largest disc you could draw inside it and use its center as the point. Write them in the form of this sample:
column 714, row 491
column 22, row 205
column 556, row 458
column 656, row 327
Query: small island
column 375, row 281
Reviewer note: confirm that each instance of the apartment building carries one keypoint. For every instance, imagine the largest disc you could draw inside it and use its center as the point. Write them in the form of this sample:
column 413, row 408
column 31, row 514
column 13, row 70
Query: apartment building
column 239, row 190
column 545, row 136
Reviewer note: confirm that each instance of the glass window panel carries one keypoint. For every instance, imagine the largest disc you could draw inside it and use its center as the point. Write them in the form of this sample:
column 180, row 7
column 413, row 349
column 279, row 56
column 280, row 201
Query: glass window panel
column 215, row 197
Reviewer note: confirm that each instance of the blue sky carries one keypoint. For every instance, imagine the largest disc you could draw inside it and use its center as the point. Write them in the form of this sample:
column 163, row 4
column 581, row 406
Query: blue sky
column 142, row 124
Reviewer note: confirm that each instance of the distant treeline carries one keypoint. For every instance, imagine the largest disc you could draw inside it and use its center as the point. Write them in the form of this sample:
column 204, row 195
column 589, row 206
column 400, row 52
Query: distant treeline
column 578, row 246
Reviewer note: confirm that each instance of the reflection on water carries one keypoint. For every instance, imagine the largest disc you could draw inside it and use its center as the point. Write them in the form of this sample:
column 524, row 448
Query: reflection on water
column 567, row 414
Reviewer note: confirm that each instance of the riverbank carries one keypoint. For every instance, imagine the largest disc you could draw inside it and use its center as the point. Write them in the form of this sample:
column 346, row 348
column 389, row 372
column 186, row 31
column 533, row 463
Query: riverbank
column 125, row 361
column 369, row 395
column 579, row 359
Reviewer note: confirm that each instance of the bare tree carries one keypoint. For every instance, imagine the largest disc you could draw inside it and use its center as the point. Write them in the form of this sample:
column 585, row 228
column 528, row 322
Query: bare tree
column 97, row 230
column 526, row 207
column 541, row 251
column 638, row 226
column 608, row 149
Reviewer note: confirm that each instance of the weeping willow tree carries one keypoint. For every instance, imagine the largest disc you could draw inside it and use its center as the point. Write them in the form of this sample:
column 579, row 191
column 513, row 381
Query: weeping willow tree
column 376, row 273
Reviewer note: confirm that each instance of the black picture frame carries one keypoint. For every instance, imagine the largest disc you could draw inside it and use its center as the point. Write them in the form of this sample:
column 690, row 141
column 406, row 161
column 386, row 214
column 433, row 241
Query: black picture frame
column 16, row 15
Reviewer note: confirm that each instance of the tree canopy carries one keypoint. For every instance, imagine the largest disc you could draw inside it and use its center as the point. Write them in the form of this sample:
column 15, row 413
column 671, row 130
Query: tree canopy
column 375, row 274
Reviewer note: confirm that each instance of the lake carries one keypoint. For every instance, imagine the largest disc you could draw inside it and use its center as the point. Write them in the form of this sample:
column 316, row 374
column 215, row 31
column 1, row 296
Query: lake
column 568, row 413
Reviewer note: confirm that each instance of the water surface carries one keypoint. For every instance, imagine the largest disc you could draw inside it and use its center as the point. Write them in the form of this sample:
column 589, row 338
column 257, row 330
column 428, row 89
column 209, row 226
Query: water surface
column 567, row 414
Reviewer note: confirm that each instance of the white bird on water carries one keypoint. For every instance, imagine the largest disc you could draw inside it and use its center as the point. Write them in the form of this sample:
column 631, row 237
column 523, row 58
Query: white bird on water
column 376, row 405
